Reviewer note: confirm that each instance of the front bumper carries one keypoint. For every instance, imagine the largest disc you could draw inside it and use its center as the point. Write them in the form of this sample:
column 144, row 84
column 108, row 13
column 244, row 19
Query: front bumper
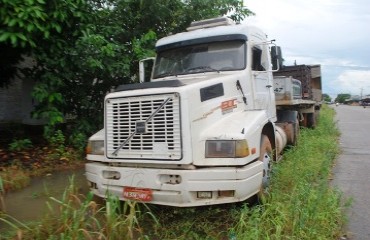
column 175, row 187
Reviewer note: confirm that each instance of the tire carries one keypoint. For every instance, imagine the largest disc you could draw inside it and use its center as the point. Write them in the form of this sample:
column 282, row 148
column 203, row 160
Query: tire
column 296, row 132
column 311, row 120
column 266, row 158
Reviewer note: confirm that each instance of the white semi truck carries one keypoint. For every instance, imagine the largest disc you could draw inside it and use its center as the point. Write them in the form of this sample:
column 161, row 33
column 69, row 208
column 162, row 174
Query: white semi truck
column 205, row 129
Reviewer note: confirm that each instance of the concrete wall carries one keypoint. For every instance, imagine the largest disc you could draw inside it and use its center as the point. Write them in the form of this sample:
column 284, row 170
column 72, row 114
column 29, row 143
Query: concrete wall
column 16, row 102
column 11, row 102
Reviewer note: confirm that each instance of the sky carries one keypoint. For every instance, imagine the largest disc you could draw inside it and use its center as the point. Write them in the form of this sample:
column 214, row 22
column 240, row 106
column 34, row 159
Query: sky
column 333, row 33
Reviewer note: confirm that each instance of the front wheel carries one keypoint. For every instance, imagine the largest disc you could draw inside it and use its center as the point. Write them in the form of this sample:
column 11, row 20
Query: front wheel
column 266, row 158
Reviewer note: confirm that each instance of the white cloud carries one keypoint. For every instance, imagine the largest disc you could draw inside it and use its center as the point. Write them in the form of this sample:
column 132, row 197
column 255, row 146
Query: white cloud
column 333, row 33
column 353, row 82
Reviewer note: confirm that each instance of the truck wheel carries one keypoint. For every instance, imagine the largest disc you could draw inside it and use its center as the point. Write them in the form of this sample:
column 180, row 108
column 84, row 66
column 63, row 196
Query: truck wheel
column 311, row 120
column 266, row 158
column 296, row 132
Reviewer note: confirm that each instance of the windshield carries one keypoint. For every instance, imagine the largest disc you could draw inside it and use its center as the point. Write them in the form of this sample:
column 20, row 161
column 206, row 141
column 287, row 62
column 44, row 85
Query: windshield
column 209, row 57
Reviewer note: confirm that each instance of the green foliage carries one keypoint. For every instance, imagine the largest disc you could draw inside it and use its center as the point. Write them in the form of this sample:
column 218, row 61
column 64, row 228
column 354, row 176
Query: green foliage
column 326, row 97
column 202, row 9
column 29, row 25
column 24, row 22
column 342, row 97
column 1, row 186
column 76, row 69
column 14, row 178
column 60, row 148
column 301, row 205
column 80, row 217
column 84, row 49
column 19, row 145
column 78, row 141
column 57, row 139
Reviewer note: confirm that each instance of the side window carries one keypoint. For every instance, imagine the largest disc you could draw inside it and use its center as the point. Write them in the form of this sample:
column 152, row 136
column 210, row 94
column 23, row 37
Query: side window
column 265, row 63
column 257, row 59
column 260, row 59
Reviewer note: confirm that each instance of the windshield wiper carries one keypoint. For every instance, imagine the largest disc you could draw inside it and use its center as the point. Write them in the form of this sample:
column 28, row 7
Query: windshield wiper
column 164, row 75
column 201, row 68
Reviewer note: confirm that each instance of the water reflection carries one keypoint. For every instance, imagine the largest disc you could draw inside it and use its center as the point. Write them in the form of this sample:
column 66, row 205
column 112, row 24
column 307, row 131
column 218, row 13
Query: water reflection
column 29, row 204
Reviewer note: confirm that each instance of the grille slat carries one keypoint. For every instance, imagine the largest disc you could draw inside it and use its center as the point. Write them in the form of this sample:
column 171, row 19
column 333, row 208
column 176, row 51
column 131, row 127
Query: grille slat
column 162, row 139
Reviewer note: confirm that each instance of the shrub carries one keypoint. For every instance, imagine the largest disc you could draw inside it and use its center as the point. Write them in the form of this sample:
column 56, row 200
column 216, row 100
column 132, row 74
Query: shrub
column 19, row 145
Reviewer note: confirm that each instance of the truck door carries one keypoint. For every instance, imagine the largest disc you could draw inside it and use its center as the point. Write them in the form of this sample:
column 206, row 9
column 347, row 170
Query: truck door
column 262, row 79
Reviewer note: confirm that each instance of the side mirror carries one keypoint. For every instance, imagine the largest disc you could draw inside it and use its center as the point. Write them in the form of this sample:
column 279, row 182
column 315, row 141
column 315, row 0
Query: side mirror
column 145, row 69
column 276, row 58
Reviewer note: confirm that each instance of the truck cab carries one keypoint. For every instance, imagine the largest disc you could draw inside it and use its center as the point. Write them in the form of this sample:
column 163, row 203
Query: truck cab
column 201, row 131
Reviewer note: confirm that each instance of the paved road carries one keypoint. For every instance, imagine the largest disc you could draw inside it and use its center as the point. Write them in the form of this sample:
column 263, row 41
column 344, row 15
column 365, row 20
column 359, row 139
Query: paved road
column 352, row 171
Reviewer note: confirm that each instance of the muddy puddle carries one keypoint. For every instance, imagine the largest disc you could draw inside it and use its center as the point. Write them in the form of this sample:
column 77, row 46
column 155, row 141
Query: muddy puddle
column 29, row 204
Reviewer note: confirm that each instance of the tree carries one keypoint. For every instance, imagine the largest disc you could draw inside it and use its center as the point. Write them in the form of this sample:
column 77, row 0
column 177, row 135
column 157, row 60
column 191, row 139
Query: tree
column 85, row 48
column 341, row 98
column 326, row 97
column 25, row 24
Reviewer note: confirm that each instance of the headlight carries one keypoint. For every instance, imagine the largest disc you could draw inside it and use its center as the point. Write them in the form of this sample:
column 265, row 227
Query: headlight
column 95, row 147
column 226, row 148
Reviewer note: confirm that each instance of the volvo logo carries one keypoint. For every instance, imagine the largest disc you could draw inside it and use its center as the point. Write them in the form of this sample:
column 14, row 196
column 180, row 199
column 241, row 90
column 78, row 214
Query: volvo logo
column 140, row 127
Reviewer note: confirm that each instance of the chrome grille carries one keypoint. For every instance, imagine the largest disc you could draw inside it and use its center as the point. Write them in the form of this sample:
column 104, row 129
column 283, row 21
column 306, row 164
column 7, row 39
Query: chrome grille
column 159, row 138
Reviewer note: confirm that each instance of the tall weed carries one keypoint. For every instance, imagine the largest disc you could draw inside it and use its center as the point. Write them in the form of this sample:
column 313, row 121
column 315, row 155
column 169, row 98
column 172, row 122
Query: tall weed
column 301, row 204
column 75, row 216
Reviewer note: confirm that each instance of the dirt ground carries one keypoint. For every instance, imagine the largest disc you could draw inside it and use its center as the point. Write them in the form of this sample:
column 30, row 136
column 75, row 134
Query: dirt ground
column 36, row 157
column 16, row 169
column 39, row 156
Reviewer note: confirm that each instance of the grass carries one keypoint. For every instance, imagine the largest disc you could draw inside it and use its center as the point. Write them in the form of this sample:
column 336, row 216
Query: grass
column 75, row 216
column 300, row 205
column 14, row 178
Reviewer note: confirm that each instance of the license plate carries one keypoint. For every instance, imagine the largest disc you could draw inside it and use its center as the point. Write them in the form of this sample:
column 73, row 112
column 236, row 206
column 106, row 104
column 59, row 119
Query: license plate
column 138, row 194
